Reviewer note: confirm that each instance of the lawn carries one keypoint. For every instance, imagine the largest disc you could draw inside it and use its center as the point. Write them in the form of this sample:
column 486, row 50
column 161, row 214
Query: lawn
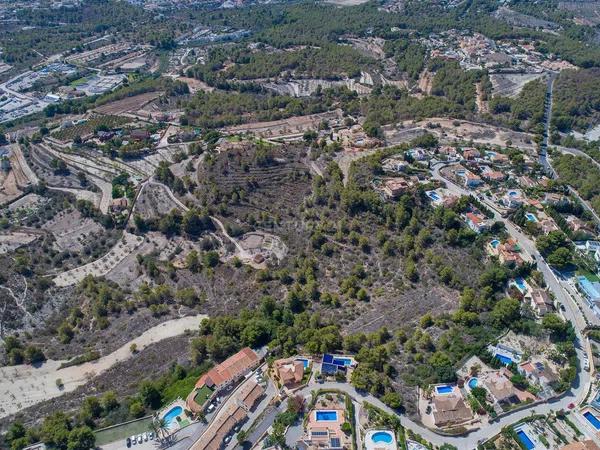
column 124, row 431
column 203, row 394
column 79, row 81
column 589, row 275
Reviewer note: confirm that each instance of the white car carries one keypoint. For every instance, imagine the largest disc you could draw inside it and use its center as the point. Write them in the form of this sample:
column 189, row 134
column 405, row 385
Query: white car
column 133, row 440
column 145, row 437
column 140, row 439
column 151, row 435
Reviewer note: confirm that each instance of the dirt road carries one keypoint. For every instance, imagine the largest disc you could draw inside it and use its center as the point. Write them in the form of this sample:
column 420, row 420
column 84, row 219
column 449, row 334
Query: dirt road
column 23, row 386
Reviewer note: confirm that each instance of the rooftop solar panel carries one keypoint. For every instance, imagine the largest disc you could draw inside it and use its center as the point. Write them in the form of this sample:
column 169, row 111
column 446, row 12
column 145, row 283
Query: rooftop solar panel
column 327, row 358
column 328, row 368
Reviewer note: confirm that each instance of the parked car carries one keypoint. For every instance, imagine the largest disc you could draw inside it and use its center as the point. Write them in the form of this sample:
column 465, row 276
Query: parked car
column 145, row 437
column 140, row 439
column 128, row 442
column 133, row 440
column 151, row 435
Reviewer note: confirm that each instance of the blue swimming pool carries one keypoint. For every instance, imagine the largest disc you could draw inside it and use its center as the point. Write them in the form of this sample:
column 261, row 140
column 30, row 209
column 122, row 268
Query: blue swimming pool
column 473, row 382
column 592, row 419
column 503, row 359
column 520, row 283
column 495, row 243
column 305, row 362
column 382, row 437
column 173, row 412
column 433, row 196
column 326, row 416
column 530, row 217
column 446, row 389
column 525, row 440
column 342, row 361
column 513, row 194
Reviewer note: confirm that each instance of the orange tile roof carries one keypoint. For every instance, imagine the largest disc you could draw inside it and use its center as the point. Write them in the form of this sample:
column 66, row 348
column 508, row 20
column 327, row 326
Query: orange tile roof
column 232, row 368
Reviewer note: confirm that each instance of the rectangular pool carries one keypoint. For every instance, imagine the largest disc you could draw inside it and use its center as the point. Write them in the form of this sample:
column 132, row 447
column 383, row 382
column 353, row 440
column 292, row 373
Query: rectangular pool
column 305, row 362
column 326, row 416
column 443, row 389
column 525, row 440
column 592, row 419
column 503, row 359
column 342, row 362
column 530, row 217
column 433, row 196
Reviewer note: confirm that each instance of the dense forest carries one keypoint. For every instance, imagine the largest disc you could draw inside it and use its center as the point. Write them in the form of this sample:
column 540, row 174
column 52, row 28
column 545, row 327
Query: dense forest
column 578, row 172
column 525, row 111
column 577, row 100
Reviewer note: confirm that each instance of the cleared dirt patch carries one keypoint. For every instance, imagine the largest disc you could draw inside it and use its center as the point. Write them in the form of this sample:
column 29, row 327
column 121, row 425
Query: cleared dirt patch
column 128, row 104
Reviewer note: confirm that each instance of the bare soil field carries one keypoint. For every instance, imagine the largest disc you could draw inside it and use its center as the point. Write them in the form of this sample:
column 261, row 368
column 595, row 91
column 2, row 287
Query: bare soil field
column 460, row 131
column 102, row 266
column 153, row 201
column 278, row 128
column 511, row 84
column 128, row 104
column 196, row 85
column 8, row 187
column 71, row 230
column 11, row 241
column 40, row 161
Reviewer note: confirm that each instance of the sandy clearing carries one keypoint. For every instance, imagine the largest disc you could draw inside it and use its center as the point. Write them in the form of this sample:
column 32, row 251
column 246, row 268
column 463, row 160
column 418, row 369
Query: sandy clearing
column 23, row 386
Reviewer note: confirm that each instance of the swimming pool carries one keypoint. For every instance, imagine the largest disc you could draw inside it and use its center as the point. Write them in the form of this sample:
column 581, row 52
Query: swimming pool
column 530, row 217
column 305, row 362
column 592, row 419
column 525, row 440
column 433, row 196
column 495, row 243
column 342, row 362
column 446, row 389
column 520, row 283
column 326, row 416
column 173, row 412
column 503, row 359
column 382, row 437
column 513, row 194
column 473, row 382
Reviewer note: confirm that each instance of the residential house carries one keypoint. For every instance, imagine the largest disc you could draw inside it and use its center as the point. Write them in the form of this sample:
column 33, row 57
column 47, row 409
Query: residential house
column 493, row 175
column 472, row 180
column 448, row 151
column 470, row 153
column 326, row 434
column 548, row 225
column 222, row 426
column 119, row 204
column 395, row 187
column 222, row 376
column 499, row 158
column 139, row 135
column 509, row 253
column 537, row 372
column 553, row 199
column 513, row 199
column 450, row 409
column 249, row 394
column 540, row 302
column 503, row 390
column 576, row 224
column 526, row 182
column 289, row 371
column 418, row 153
column 477, row 222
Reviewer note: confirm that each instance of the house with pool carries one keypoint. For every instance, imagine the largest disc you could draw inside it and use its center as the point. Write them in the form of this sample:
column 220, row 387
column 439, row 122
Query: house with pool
column 221, row 379
column 443, row 406
column 324, row 428
column 289, row 372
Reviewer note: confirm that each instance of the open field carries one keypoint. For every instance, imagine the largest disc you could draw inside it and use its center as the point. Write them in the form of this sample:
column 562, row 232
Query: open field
column 278, row 128
column 13, row 240
column 511, row 84
column 460, row 130
column 102, row 266
column 127, row 104
column 71, row 230
column 25, row 385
